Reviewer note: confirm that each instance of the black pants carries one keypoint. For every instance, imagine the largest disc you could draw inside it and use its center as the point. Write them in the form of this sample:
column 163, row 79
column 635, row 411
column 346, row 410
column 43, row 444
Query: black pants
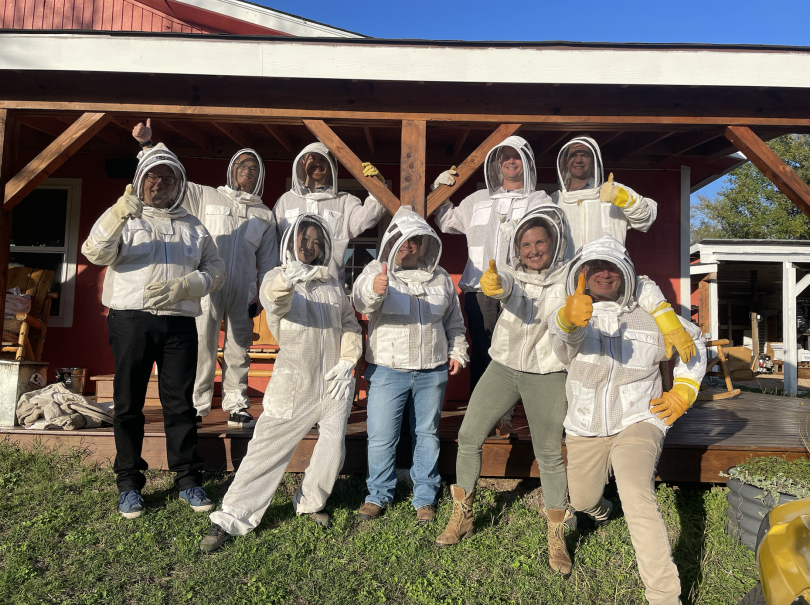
column 138, row 340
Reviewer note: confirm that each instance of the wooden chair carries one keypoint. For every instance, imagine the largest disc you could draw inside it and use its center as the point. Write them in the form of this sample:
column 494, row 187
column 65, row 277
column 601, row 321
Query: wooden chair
column 264, row 348
column 725, row 374
column 24, row 335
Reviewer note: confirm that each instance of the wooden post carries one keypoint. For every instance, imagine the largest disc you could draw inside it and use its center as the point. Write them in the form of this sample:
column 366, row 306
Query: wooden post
column 9, row 135
column 353, row 164
column 704, row 314
column 54, row 155
column 412, row 165
column 790, row 354
column 469, row 166
column 771, row 165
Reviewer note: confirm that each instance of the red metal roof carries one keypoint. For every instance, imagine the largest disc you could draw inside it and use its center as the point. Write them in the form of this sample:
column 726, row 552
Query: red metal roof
column 106, row 15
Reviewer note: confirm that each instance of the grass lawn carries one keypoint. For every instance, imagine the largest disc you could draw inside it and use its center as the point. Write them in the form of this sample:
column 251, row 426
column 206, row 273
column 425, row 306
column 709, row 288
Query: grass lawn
column 62, row 541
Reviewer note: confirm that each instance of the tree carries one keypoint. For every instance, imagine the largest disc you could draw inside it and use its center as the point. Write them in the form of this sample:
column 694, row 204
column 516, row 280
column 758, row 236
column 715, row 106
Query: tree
column 751, row 207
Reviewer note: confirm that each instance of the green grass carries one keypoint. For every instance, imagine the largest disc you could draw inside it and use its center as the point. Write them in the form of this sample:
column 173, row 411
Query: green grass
column 62, row 541
column 776, row 475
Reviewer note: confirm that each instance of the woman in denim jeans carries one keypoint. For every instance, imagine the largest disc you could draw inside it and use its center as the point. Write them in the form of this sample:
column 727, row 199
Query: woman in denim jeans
column 416, row 333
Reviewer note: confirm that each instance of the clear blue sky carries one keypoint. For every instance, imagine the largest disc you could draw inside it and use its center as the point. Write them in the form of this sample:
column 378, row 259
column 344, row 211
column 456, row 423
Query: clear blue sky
column 704, row 21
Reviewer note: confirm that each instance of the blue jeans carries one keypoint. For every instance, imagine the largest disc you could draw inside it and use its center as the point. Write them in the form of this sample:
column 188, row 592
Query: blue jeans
column 388, row 393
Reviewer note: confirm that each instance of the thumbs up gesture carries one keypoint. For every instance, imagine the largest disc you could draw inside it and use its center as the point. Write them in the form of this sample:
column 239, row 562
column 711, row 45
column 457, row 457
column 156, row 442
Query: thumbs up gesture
column 579, row 306
column 380, row 285
column 143, row 133
column 491, row 282
column 611, row 193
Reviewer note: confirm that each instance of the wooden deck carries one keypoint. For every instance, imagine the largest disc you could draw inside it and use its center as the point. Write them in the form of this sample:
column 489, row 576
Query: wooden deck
column 712, row 437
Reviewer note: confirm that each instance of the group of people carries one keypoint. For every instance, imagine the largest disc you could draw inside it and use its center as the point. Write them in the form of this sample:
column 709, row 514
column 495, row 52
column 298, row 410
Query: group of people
column 557, row 320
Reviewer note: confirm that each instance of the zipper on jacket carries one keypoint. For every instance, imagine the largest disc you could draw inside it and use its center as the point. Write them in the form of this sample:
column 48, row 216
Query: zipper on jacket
column 526, row 336
column 606, row 394
column 419, row 311
column 320, row 318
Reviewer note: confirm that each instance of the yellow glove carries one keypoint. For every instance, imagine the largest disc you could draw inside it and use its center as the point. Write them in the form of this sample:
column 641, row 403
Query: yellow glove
column 370, row 170
column 675, row 335
column 490, row 281
column 578, row 308
column 612, row 193
column 673, row 404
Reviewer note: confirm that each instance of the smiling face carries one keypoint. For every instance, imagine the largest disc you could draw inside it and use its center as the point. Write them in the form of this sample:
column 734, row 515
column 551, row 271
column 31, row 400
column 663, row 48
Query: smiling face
column 409, row 252
column 159, row 187
column 317, row 169
column 536, row 249
column 511, row 167
column 309, row 244
column 245, row 172
column 604, row 280
column 579, row 162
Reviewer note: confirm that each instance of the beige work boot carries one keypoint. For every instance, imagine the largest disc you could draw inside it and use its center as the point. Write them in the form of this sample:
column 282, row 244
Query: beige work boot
column 461, row 521
column 558, row 558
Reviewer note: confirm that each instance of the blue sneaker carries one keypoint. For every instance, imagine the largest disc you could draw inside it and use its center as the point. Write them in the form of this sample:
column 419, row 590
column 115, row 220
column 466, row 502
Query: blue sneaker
column 197, row 499
column 130, row 504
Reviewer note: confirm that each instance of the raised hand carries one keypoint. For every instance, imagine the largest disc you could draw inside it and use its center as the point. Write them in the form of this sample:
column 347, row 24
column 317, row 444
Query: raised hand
column 143, row 132
column 490, row 281
column 579, row 306
column 380, row 285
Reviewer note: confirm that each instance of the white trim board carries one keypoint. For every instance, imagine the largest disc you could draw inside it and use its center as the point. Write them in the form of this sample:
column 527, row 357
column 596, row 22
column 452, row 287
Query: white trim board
column 291, row 59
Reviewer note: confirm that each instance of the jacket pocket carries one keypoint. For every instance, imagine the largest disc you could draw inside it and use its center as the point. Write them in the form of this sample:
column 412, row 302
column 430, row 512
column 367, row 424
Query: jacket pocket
column 279, row 398
column 335, row 221
column 635, row 399
column 218, row 220
column 519, row 209
column 639, row 349
column 391, row 346
column 481, row 213
column 296, row 318
column 580, row 404
column 476, row 254
column 396, row 302
column 138, row 239
column 192, row 246
column 438, row 300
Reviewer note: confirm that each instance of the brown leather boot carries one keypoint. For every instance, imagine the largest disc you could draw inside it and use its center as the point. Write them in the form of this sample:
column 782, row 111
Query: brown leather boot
column 461, row 521
column 558, row 558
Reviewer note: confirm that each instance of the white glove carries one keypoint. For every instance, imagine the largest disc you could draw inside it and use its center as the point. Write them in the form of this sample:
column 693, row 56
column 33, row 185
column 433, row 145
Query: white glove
column 164, row 294
column 507, row 228
column 339, row 381
column 296, row 272
column 128, row 206
column 445, row 178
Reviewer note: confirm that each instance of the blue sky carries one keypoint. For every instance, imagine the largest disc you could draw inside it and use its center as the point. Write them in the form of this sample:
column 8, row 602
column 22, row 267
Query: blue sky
column 697, row 21
column 704, row 21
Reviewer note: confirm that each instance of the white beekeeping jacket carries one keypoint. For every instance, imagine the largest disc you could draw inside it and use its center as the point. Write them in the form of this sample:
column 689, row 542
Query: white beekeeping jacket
column 417, row 324
column 612, row 363
column 588, row 217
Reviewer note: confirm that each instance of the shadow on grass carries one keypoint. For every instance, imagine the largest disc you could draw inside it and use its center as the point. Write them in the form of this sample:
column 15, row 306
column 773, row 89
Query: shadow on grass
column 689, row 550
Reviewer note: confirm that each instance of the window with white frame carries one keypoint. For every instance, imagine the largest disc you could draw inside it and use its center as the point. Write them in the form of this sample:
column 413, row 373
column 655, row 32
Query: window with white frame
column 45, row 235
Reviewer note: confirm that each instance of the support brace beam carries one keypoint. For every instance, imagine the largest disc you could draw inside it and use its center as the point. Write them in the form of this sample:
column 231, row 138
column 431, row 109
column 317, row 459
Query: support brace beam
column 802, row 284
column 9, row 136
column 771, row 165
column 54, row 155
column 469, row 166
column 353, row 164
column 280, row 135
column 412, row 165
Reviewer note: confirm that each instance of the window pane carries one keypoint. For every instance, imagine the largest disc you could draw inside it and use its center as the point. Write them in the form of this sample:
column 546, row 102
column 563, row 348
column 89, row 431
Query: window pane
column 51, row 261
column 358, row 255
column 40, row 219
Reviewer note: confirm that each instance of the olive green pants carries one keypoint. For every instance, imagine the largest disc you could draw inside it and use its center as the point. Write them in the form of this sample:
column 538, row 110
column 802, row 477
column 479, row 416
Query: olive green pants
column 543, row 395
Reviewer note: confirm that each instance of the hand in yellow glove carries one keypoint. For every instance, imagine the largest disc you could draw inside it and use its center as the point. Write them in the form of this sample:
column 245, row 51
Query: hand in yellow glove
column 612, row 193
column 578, row 308
column 370, row 170
column 675, row 335
column 490, row 281
column 673, row 404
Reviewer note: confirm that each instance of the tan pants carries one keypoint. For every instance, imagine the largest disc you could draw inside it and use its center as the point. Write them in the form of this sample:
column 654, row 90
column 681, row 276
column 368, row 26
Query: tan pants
column 633, row 454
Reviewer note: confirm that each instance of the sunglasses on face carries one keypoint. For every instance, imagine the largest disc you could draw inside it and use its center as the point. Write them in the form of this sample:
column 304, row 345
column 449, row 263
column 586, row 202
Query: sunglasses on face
column 154, row 178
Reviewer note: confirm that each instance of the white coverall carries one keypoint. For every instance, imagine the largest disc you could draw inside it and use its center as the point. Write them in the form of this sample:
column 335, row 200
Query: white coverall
column 588, row 217
column 345, row 215
column 480, row 216
column 244, row 231
column 418, row 324
column 613, row 374
column 315, row 327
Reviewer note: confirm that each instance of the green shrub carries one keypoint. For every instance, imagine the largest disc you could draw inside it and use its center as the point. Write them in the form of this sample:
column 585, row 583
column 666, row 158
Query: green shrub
column 775, row 475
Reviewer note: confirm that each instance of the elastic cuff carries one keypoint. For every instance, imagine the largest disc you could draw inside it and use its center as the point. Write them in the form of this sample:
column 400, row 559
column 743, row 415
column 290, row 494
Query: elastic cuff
column 562, row 322
column 667, row 320
column 196, row 285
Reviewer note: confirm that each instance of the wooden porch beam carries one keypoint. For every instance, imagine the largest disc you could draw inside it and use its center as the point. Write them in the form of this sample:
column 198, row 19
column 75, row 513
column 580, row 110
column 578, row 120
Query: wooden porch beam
column 468, row 167
column 369, row 139
column 771, row 165
column 107, row 135
column 293, row 116
column 353, row 164
column 9, row 137
column 459, row 142
column 282, row 136
column 235, row 133
column 54, row 155
column 556, row 141
column 192, row 133
column 412, row 165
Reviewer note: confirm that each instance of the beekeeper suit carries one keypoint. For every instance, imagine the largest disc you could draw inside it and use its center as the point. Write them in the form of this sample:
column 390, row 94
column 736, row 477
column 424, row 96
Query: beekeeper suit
column 488, row 218
column 160, row 262
column 530, row 286
column 617, row 414
column 314, row 190
column 415, row 329
column 320, row 343
column 594, row 207
column 244, row 231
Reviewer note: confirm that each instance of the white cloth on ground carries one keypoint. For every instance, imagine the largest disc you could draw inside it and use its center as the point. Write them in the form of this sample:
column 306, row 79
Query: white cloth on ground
column 61, row 408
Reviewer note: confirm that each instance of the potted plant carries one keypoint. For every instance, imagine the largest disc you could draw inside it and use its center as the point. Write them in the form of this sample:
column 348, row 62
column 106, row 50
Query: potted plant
column 758, row 485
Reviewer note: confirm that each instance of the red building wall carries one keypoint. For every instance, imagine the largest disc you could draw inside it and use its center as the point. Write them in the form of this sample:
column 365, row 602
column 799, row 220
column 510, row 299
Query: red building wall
column 655, row 254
